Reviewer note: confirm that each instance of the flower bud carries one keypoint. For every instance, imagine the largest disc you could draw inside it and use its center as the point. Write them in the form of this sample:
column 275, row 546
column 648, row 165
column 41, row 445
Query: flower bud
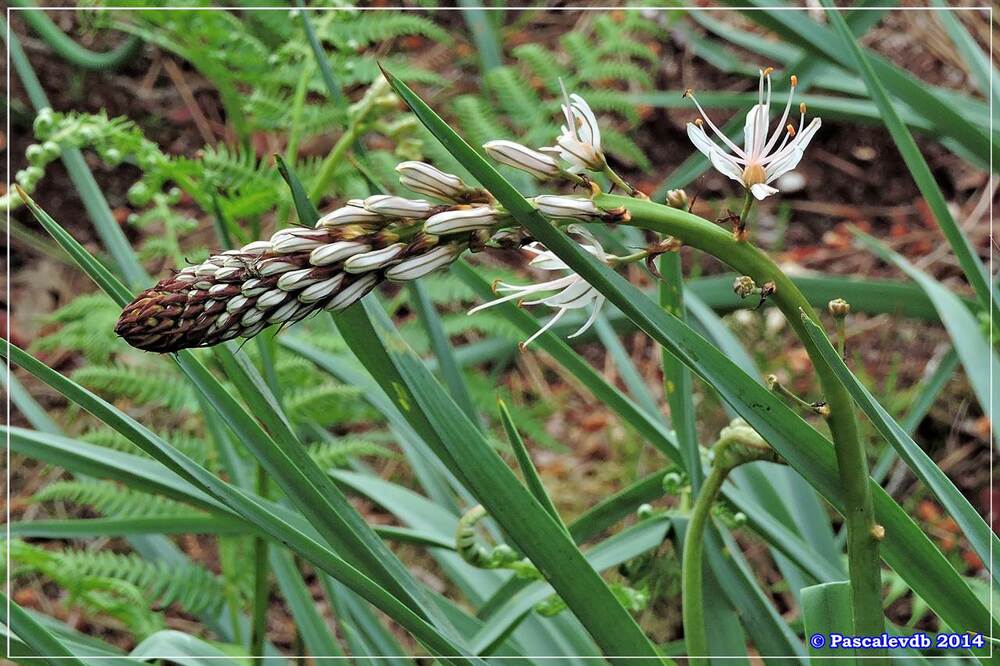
column 256, row 248
column 390, row 206
column 298, row 240
column 334, row 252
column 353, row 292
column 539, row 165
column 744, row 286
column 463, row 219
column 369, row 261
column 426, row 179
column 349, row 214
column 677, row 199
column 839, row 308
column 573, row 208
column 421, row 265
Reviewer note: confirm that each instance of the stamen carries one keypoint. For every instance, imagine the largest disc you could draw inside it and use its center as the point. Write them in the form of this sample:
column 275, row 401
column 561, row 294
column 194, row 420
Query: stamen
column 802, row 108
column 768, row 70
column 725, row 139
column 795, row 81
column 688, row 92
column 790, row 129
column 699, row 122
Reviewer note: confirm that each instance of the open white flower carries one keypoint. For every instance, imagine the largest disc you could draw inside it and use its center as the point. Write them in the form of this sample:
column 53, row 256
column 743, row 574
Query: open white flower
column 761, row 160
column 579, row 142
column 572, row 292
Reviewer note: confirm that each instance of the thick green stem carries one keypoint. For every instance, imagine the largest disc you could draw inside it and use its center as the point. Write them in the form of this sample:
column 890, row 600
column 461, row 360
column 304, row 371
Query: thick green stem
column 693, row 609
column 746, row 259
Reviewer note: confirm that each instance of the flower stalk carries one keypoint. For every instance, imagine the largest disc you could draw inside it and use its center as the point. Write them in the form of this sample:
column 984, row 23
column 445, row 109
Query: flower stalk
column 745, row 258
column 738, row 444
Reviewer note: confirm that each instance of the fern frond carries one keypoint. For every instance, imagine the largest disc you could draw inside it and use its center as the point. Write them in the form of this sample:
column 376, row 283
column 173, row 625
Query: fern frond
column 477, row 121
column 351, row 30
column 194, row 447
column 193, row 588
column 327, row 405
column 521, row 104
column 140, row 386
column 87, row 326
column 338, row 453
column 111, row 499
column 625, row 149
column 542, row 66
column 619, row 71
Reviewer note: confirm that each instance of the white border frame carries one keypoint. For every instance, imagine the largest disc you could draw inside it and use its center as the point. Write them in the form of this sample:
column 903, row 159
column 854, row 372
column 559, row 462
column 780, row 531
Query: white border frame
column 993, row 241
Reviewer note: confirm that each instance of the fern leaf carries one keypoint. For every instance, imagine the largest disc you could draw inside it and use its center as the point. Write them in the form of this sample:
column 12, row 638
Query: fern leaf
column 140, row 386
column 110, row 499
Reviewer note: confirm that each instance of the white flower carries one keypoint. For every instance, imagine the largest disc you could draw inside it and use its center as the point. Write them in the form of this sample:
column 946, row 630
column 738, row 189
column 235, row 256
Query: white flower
column 760, row 161
column 287, row 241
column 422, row 177
column 580, row 140
column 390, row 206
column 511, row 153
column 572, row 291
column 463, row 219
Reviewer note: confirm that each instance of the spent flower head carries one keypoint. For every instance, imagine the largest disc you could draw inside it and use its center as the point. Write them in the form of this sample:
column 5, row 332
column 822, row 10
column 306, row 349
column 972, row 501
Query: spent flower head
column 762, row 159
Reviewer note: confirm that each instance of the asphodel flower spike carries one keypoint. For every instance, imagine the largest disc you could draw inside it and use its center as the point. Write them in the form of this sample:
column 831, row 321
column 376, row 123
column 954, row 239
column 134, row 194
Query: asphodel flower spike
column 761, row 160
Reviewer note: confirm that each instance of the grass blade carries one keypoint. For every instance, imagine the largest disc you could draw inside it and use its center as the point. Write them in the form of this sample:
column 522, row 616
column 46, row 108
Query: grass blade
column 462, row 446
column 442, row 349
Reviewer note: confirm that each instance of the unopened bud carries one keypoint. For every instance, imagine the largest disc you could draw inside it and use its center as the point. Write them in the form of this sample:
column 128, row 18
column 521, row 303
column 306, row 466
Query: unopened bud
column 463, row 219
column 350, row 214
column 569, row 208
column 390, row 206
column 839, row 308
column 744, row 286
column 369, row 261
column 538, row 164
column 423, row 264
column 677, row 199
column 426, row 179
column 298, row 240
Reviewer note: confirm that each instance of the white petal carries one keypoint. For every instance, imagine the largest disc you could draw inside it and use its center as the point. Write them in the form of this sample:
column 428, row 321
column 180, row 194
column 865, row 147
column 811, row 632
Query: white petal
column 598, row 304
column 549, row 324
column 762, row 191
column 785, row 163
column 701, row 140
column 726, row 165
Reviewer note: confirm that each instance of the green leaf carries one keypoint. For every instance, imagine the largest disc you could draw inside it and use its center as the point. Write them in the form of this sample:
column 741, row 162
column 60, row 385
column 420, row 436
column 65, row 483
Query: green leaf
column 461, row 446
column 34, row 635
column 249, row 508
column 528, row 470
column 826, row 609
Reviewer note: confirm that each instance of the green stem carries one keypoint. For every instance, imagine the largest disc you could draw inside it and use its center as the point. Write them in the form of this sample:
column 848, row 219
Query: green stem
column 618, row 181
column 738, row 444
column 692, row 600
column 68, row 49
column 258, row 632
column 746, row 259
